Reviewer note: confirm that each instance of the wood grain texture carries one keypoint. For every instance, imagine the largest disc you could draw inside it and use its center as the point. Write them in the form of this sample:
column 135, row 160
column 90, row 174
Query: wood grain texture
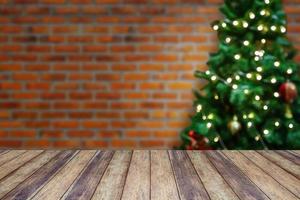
column 233, row 175
column 15, row 163
column 85, row 185
column 290, row 156
column 113, row 180
column 266, row 183
column 188, row 182
column 40, row 177
column 288, row 165
column 216, row 186
column 10, row 182
column 65, row 177
column 280, row 175
column 162, row 175
column 10, row 155
column 137, row 185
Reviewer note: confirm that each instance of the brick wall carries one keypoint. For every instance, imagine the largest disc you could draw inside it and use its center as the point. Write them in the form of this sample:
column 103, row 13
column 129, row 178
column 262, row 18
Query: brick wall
column 103, row 73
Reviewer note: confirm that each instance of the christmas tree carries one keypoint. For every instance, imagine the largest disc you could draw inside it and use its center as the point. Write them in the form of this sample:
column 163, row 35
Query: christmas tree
column 250, row 99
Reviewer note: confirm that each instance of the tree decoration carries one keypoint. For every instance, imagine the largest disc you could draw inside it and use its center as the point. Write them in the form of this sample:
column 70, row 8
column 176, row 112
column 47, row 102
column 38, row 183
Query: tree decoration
column 250, row 100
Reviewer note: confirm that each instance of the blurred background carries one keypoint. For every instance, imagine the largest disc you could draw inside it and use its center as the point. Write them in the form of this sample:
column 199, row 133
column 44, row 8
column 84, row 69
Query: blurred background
column 104, row 73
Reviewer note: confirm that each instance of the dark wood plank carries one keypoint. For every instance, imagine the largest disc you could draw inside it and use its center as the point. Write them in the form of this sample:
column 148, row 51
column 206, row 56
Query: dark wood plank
column 10, row 182
column 86, row 184
column 113, row 180
column 266, row 183
column 163, row 185
column 137, row 185
column 286, row 179
column 288, row 165
column 10, row 155
column 289, row 156
column 14, row 164
column 188, row 182
column 214, row 183
column 60, row 183
column 233, row 175
column 40, row 177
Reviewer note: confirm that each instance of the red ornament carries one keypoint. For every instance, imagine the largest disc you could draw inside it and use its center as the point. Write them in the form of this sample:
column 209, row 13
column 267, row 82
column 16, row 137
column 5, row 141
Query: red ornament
column 288, row 91
column 192, row 133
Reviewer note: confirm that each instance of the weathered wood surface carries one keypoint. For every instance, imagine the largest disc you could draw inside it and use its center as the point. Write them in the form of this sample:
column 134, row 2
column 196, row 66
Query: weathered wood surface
column 142, row 175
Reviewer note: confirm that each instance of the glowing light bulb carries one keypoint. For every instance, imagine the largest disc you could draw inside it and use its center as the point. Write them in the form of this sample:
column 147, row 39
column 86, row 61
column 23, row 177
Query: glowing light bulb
column 246, row 43
column 215, row 27
column 204, row 117
column 210, row 116
column 237, row 56
column 237, row 77
column 263, row 41
column 256, row 58
column 216, row 97
column 224, row 25
column 249, row 75
column 273, row 28
column 262, row 12
column 276, row 63
column 245, row 24
column 260, row 27
column 209, row 125
column 246, row 91
column 266, row 132
column 276, row 124
column 257, row 138
column 251, row 15
column 257, row 98
column 273, row 80
column 234, row 86
column 229, row 80
column 207, row 72
column 259, row 69
column 213, row 78
column 228, row 40
column 265, row 107
column 251, row 115
column 282, row 29
column 276, row 94
column 289, row 71
column 267, row 1
column 291, row 125
column 199, row 108
column 244, row 116
column 216, row 139
column 235, row 23
column 258, row 77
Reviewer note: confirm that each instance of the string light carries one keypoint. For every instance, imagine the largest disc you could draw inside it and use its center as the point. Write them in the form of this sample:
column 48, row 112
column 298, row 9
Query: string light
column 228, row 40
column 257, row 138
column 215, row 27
column 266, row 132
column 251, row 115
column 237, row 56
column 213, row 78
column 237, row 77
column 258, row 77
column 263, row 41
column 273, row 28
column 216, row 97
column 276, row 94
column 267, row 1
column 204, row 117
column 246, row 91
column 259, row 69
column 251, row 15
column 207, row 72
column 256, row 58
column 282, row 29
column 249, row 75
column 260, row 27
column 273, row 80
column 289, row 71
column 246, row 43
column 229, row 80
column 216, row 139
column 235, row 23
column 249, row 124
column 208, row 125
column 199, row 108
column 257, row 98
column 210, row 116
column 291, row 125
column 265, row 107
column 276, row 63
column 224, row 25
column 262, row 12
column 276, row 124
column 245, row 24
column 244, row 116
column 234, row 86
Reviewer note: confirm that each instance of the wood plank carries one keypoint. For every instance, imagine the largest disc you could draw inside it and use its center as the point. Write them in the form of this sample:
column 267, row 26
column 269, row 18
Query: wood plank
column 266, row 183
column 3, row 152
column 40, row 177
column 288, row 165
column 113, row 180
column 296, row 152
column 137, row 185
column 60, row 183
column 289, row 156
column 187, row 180
column 163, row 185
column 14, row 164
column 284, row 178
column 18, row 176
column 85, row 185
column 214, row 183
column 10, row 155
column 241, row 184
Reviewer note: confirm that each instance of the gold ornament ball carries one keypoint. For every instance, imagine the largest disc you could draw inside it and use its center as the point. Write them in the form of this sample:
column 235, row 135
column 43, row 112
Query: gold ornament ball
column 234, row 126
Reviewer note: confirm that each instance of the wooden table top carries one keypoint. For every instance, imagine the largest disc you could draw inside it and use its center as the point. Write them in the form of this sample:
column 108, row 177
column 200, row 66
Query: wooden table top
column 157, row 174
